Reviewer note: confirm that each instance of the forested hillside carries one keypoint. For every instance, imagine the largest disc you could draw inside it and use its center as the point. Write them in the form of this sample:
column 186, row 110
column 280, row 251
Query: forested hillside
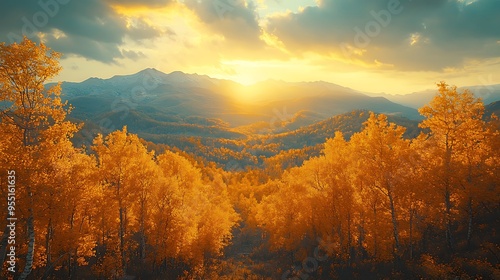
column 356, row 196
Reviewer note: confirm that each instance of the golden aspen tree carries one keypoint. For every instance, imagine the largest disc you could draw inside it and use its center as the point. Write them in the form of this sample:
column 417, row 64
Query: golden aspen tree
column 339, row 176
column 493, row 161
column 414, row 198
column 218, row 234
column 286, row 215
column 10, row 159
column 146, row 181
column 60, row 163
column 119, row 159
column 380, row 147
column 77, row 238
column 69, row 180
column 331, row 196
column 28, row 109
column 477, row 153
column 108, row 264
column 452, row 118
column 187, row 206
column 180, row 197
column 473, row 173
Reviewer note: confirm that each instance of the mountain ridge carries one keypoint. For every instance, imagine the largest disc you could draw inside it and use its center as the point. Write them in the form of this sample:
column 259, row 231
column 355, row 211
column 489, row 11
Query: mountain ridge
column 189, row 118
column 166, row 108
column 184, row 94
column 488, row 93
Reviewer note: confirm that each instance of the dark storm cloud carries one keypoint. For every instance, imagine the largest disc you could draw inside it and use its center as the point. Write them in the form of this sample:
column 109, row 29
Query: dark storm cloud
column 91, row 28
column 445, row 33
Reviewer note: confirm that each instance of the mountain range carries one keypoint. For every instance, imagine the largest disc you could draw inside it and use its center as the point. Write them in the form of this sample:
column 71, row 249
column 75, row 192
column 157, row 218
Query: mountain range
column 178, row 96
column 487, row 93
column 176, row 108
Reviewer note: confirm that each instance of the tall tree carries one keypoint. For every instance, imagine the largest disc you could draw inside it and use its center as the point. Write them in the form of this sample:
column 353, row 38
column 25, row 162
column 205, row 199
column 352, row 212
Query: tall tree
column 121, row 156
column 29, row 109
column 455, row 123
column 381, row 147
column 66, row 177
column 335, row 180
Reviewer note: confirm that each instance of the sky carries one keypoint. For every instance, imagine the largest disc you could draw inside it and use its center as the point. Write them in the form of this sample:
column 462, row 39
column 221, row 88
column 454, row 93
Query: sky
column 391, row 46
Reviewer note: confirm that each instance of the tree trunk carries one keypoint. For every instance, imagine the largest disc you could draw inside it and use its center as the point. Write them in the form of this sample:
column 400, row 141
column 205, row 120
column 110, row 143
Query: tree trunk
column 5, row 239
column 3, row 244
column 31, row 246
column 449, row 239
column 121, row 228
column 471, row 216
column 349, row 238
column 361, row 239
column 341, row 239
column 122, row 240
column 30, row 223
column 143, row 234
column 447, row 194
column 48, row 238
column 394, row 221
column 70, row 268
column 375, row 234
column 411, row 233
column 52, row 265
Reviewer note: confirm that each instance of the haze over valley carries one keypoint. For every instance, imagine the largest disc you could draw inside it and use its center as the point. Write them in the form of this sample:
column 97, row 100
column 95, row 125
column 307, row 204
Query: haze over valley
column 180, row 110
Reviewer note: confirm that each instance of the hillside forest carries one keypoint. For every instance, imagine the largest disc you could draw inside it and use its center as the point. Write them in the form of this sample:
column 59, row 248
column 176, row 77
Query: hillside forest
column 378, row 203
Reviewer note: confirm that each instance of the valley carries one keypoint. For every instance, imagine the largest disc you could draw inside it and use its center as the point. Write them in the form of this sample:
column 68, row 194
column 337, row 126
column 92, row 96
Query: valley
column 207, row 118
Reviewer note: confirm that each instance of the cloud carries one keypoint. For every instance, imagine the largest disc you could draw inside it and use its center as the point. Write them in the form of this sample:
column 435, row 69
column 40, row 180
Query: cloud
column 416, row 35
column 235, row 20
column 98, row 29
column 133, row 55
column 139, row 29
column 148, row 3
column 106, row 52
column 91, row 29
column 406, row 35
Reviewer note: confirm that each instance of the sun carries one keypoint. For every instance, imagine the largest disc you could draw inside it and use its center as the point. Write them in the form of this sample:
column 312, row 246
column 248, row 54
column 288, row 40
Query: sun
column 246, row 80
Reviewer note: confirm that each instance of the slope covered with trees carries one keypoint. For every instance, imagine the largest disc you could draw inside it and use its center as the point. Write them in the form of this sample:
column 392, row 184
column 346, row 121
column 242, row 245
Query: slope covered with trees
column 118, row 209
column 378, row 200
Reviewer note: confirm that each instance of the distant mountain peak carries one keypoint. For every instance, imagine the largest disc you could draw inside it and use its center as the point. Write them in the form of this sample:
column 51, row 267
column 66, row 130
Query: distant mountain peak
column 148, row 70
column 177, row 73
column 92, row 79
